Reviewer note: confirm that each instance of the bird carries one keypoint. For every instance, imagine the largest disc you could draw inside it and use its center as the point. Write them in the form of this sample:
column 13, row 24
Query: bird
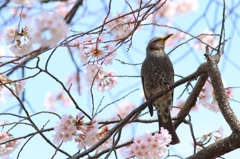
column 157, row 74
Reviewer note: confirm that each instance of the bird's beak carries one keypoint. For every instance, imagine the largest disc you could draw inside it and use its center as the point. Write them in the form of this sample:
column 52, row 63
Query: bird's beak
column 167, row 36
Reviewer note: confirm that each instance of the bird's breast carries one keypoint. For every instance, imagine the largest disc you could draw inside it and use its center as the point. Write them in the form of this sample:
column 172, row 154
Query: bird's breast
column 157, row 72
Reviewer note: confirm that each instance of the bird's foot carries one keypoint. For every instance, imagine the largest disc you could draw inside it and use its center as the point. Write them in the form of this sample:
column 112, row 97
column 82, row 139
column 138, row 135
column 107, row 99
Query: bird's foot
column 167, row 86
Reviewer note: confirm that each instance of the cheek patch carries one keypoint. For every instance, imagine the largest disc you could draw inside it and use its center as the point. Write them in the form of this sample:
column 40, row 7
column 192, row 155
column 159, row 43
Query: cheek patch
column 153, row 46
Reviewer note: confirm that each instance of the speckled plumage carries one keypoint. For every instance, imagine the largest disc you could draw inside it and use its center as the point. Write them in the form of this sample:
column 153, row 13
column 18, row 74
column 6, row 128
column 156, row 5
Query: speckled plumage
column 157, row 74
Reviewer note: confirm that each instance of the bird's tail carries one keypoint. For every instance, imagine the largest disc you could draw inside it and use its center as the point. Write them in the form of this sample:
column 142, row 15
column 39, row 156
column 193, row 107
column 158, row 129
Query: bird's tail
column 169, row 126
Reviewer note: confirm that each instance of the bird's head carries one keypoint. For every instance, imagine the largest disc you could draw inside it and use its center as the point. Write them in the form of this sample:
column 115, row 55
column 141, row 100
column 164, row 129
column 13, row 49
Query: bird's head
column 157, row 43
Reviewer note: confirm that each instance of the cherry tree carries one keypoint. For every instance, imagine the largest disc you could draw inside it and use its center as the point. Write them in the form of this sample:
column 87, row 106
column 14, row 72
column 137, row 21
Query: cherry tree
column 70, row 79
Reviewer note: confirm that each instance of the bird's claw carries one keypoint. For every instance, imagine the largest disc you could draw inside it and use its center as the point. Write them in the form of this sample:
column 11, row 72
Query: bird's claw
column 167, row 86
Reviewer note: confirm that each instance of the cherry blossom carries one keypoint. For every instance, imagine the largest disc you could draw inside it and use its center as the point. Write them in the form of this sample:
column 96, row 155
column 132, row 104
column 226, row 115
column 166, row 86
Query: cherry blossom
column 86, row 135
column 91, row 53
column 93, row 135
column 46, row 29
column 9, row 147
column 170, row 9
column 64, row 129
column 49, row 101
column 92, row 71
column 124, row 109
column 10, row 34
column 207, row 138
column 180, row 104
column 175, row 38
column 208, row 39
column 185, row 6
column 51, row 98
column 148, row 146
column 22, row 49
column 62, row 7
column 94, row 54
column 108, row 60
column 74, row 80
column 220, row 131
column 102, row 80
column 205, row 94
column 19, row 87
column 24, row 2
column 22, row 13
column 3, row 122
column 207, row 97
column 49, row 28
column 229, row 93
column 121, row 26
column 214, row 107
column 108, row 81
column 19, row 41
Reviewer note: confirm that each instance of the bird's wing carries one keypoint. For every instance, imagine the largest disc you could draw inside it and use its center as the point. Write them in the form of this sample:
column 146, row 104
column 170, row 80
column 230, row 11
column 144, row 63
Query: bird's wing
column 150, row 107
column 172, row 102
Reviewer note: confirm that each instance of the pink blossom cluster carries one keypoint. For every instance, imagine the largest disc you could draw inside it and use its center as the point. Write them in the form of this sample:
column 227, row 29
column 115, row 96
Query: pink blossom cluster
column 19, row 41
column 46, row 29
column 69, row 128
column 179, row 104
column 51, row 98
column 65, row 128
column 229, row 92
column 9, row 147
column 186, row 6
column 207, row 97
column 24, row 2
column 18, row 86
column 208, row 39
column 178, row 7
column 175, row 38
column 74, row 79
column 21, row 13
column 49, row 28
column 121, row 26
column 102, row 80
column 96, row 52
column 220, row 134
column 63, row 7
column 150, row 146
column 124, row 109
column 217, row 135
column 92, row 136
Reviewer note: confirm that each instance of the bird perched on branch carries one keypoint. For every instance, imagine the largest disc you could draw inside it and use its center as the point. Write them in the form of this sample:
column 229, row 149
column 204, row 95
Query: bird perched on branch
column 158, row 74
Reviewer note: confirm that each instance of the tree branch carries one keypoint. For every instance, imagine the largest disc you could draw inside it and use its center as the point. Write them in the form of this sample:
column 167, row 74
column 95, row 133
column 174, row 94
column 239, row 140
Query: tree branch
column 219, row 148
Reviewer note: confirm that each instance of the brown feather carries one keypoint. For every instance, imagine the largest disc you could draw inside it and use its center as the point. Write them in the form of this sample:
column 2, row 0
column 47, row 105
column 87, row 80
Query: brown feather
column 150, row 107
column 157, row 74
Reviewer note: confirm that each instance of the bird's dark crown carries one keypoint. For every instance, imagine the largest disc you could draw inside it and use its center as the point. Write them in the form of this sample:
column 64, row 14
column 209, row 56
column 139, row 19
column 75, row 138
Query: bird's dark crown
column 157, row 43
